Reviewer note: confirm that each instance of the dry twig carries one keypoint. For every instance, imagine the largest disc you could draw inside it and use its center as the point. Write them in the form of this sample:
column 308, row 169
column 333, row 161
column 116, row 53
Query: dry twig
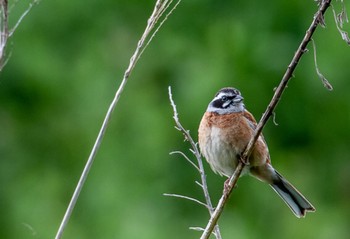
column 325, row 82
column 194, row 149
column 340, row 19
column 160, row 8
column 5, row 32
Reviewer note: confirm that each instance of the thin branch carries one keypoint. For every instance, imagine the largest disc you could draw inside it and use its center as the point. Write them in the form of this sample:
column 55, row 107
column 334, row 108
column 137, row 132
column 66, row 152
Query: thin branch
column 199, row 184
column 195, row 151
column 200, row 229
column 339, row 21
column 186, row 197
column 194, row 148
column 163, row 21
column 274, row 118
column 219, row 208
column 160, row 7
column 5, row 33
column 325, row 82
column 23, row 16
column 187, row 159
column 270, row 108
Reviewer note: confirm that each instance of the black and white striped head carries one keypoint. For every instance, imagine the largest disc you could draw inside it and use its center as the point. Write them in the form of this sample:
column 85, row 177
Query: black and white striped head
column 227, row 100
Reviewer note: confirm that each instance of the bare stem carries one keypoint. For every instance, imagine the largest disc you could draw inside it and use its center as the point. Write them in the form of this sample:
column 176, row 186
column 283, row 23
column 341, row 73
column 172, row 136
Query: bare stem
column 325, row 82
column 5, row 33
column 197, row 154
column 160, row 7
column 23, row 16
column 187, row 158
column 318, row 19
column 340, row 19
column 185, row 197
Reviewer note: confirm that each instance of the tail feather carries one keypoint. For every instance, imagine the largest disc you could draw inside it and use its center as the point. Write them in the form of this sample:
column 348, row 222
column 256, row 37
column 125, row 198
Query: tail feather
column 291, row 196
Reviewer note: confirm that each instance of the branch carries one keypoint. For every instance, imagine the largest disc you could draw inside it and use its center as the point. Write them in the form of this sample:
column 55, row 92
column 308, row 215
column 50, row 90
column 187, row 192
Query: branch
column 160, row 8
column 5, row 33
column 325, row 82
column 187, row 158
column 318, row 19
column 200, row 167
column 22, row 17
column 340, row 19
column 186, row 197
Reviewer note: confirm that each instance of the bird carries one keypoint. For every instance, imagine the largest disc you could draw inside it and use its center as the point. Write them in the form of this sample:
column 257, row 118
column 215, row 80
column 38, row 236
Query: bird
column 223, row 134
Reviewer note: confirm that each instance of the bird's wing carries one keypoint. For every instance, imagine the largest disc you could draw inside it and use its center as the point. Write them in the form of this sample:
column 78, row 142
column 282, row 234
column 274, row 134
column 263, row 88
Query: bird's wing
column 251, row 120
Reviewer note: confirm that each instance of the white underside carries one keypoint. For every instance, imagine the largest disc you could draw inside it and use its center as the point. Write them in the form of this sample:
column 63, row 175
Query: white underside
column 221, row 156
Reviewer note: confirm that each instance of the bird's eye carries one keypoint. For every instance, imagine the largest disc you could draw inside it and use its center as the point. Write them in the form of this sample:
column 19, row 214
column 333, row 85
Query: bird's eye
column 224, row 98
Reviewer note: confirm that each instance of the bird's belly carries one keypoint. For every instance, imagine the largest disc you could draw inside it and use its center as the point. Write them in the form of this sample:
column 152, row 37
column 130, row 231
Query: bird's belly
column 222, row 157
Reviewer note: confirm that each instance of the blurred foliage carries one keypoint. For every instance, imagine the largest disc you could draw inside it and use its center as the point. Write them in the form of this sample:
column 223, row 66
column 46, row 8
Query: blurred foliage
column 67, row 59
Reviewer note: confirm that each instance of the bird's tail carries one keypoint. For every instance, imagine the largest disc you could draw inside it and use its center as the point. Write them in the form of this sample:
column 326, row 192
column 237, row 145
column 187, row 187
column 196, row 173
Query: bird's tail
column 291, row 196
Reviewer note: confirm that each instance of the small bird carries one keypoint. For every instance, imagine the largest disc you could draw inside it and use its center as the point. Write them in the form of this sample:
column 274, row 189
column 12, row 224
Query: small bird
column 224, row 132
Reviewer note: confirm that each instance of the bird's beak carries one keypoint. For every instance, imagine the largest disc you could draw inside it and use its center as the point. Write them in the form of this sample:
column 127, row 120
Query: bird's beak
column 238, row 99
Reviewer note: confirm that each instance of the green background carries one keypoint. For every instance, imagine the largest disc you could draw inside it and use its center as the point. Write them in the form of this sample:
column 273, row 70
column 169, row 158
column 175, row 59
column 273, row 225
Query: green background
column 67, row 60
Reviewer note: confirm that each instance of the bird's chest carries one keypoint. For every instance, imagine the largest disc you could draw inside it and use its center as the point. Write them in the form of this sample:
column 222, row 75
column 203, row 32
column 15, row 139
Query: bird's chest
column 220, row 153
column 222, row 139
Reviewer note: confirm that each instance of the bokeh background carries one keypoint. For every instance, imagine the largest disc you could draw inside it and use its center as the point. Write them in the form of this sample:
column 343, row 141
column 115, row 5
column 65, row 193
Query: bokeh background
column 67, row 60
